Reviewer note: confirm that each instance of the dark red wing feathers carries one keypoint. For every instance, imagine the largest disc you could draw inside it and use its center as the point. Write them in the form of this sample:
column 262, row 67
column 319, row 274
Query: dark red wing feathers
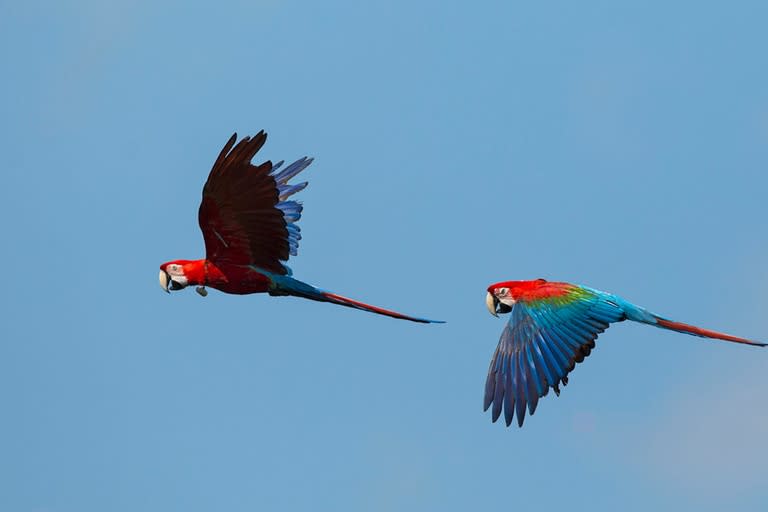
column 238, row 216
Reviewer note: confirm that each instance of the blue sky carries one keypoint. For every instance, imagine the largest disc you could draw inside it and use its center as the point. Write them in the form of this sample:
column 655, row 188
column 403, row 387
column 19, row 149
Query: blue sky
column 619, row 145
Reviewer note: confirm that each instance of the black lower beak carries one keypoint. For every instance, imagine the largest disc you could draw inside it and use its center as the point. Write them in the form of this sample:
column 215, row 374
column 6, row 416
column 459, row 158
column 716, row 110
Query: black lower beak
column 502, row 308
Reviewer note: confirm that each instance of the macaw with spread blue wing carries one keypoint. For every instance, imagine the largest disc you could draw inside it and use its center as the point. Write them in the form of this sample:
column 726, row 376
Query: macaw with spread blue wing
column 249, row 228
column 553, row 326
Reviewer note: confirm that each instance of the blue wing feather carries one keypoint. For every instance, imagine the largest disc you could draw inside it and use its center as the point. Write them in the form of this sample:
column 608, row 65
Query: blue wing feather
column 292, row 170
column 521, row 383
column 541, row 362
column 535, row 390
column 509, row 398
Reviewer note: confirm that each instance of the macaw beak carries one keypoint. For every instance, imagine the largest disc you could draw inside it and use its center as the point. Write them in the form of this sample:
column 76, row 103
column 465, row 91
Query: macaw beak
column 164, row 280
column 492, row 302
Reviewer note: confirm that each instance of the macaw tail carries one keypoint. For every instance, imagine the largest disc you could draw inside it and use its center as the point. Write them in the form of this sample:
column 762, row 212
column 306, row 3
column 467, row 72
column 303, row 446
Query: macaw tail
column 290, row 286
column 351, row 303
column 638, row 314
column 703, row 333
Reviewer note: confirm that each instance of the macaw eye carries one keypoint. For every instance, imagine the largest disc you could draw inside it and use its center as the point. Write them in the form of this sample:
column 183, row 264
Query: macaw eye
column 502, row 292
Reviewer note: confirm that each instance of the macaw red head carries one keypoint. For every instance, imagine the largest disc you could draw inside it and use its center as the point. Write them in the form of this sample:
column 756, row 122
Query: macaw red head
column 172, row 276
column 500, row 298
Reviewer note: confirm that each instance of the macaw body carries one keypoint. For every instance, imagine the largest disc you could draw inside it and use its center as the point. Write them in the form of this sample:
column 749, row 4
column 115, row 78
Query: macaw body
column 250, row 231
column 552, row 327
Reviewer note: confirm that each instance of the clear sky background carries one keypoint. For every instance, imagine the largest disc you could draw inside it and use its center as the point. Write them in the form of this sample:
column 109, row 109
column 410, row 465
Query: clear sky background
column 623, row 145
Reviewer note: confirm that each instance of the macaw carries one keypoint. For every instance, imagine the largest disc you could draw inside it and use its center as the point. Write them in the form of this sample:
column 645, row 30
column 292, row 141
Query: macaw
column 552, row 326
column 249, row 228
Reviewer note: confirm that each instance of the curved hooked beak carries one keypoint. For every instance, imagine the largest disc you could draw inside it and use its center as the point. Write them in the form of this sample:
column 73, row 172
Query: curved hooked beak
column 165, row 279
column 492, row 302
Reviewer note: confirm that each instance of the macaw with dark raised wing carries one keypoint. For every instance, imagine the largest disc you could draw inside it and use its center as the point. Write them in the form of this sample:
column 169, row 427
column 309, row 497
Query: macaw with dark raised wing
column 249, row 227
column 553, row 326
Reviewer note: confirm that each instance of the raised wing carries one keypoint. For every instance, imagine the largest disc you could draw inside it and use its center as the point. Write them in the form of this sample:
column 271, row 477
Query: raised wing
column 245, row 216
column 541, row 344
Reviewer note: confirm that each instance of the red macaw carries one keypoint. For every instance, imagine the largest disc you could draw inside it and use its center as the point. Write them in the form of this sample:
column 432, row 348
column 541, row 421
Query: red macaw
column 249, row 228
column 552, row 327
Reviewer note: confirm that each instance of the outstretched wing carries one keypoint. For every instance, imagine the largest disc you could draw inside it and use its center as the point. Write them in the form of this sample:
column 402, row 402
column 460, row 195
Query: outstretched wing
column 541, row 344
column 245, row 216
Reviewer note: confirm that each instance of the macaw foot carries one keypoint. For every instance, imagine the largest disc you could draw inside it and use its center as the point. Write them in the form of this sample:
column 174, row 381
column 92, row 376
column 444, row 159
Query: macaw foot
column 202, row 291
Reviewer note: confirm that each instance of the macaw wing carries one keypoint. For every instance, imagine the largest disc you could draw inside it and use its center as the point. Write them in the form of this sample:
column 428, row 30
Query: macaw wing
column 540, row 346
column 244, row 215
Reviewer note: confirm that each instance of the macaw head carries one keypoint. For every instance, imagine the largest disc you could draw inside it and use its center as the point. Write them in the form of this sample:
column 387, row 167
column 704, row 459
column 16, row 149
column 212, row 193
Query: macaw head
column 172, row 276
column 500, row 298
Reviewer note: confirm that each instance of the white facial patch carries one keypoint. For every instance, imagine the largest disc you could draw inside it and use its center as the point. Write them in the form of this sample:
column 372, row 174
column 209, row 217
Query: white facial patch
column 504, row 297
column 176, row 272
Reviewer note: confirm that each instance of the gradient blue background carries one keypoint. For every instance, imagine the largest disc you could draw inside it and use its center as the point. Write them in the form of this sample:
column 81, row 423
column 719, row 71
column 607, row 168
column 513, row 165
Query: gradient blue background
column 622, row 145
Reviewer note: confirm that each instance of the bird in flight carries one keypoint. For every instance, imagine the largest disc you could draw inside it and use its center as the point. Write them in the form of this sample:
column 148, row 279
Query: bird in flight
column 249, row 227
column 552, row 326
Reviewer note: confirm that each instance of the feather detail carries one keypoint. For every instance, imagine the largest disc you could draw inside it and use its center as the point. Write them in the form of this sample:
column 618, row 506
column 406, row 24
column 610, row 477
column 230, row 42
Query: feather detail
column 245, row 216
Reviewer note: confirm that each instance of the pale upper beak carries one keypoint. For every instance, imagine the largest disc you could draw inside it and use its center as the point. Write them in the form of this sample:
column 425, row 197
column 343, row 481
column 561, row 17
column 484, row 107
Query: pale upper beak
column 164, row 280
column 491, row 301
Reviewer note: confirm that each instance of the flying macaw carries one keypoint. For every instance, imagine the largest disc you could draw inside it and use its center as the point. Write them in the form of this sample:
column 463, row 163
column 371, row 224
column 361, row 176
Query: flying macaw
column 249, row 228
column 553, row 326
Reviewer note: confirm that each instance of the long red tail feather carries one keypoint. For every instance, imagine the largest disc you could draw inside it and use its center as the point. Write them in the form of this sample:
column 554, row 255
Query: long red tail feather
column 346, row 301
column 704, row 333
